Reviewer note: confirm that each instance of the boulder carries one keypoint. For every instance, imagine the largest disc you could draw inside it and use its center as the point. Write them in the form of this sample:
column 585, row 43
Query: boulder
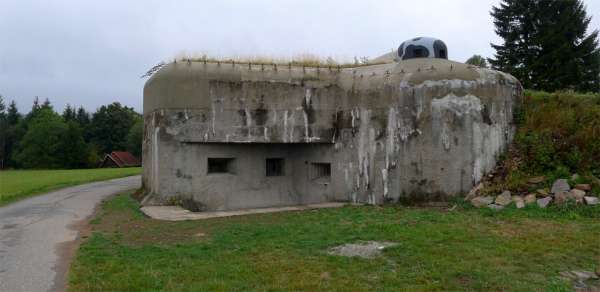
column 503, row 199
column 482, row 201
column 584, row 187
column 544, row 202
column 585, row 275
column 575, row 177
column 536, row 180
column 518, row 201
column 560, row 185
column 577, row 195
column 474, row 191
column 591, row 200
column 530, row 199
column 562, row 197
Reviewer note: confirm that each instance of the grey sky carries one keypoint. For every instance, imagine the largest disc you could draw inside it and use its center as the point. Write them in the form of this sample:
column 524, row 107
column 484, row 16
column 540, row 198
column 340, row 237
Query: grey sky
column 92, row 52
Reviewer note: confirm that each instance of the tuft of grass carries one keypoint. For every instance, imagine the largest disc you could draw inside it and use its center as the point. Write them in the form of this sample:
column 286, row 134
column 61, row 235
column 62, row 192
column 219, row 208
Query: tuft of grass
column 464, row 249
column 20, row 184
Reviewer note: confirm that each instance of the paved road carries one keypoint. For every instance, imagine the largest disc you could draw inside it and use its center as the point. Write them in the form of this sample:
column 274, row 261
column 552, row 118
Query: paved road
column 37, row 235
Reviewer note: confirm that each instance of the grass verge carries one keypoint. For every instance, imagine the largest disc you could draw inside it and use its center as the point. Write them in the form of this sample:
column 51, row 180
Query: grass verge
column 463, row 249
column 19, row 184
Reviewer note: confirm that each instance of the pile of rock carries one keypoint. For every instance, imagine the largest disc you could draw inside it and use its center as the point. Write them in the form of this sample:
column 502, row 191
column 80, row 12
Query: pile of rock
column 560, row 193
column 583, row 280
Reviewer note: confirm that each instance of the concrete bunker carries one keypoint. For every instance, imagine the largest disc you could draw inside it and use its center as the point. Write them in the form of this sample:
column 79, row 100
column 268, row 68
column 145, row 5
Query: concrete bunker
column 240, row 135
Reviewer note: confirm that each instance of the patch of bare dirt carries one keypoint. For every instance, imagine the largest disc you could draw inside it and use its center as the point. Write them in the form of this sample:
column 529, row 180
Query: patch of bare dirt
column 367, row 250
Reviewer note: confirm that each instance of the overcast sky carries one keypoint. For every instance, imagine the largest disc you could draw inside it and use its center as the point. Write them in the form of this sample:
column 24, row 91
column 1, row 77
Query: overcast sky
column 93, row 52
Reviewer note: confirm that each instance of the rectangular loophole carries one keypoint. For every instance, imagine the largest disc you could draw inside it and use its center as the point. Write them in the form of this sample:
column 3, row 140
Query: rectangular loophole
column 220, row 165
column 320, row 170
column 275, row 167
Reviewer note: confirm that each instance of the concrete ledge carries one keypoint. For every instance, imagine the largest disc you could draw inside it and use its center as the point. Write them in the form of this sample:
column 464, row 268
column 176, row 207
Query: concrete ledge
column 176, row 213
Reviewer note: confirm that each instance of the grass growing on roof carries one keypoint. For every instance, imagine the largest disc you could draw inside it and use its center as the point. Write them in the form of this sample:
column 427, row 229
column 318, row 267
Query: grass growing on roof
column 19, row 184
column 307, row 60
column 465, row 249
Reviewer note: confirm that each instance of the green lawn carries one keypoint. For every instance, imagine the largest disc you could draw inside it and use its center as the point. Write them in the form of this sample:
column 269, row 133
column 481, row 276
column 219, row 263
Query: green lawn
column 463, row 249
column 18, row 184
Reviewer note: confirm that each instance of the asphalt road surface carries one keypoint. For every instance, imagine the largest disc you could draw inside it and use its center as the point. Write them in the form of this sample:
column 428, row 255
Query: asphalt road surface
column 38, row 235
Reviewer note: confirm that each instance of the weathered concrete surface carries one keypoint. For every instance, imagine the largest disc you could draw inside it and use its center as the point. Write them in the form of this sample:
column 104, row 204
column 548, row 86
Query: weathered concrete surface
column 176, row 213
column 415, row 129
column 36, row 234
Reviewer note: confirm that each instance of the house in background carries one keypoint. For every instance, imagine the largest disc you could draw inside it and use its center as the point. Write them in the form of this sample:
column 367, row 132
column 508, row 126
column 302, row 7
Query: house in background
column 120, row 159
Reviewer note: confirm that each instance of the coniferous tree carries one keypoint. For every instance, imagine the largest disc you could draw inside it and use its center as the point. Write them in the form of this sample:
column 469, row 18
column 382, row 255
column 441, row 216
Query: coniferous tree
column 546, row 44
column 34, row 108
column 13, row 117
column 69, row 113
column 3, row 132
column 2, row 107
column 83, row 119
column 72, row 148
column 46, row 104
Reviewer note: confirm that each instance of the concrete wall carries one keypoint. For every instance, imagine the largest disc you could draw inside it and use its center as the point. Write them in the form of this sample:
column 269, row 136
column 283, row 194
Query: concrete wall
column 417, row 129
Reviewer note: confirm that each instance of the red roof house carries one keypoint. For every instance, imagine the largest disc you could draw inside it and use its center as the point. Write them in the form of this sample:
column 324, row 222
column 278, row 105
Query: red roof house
column 120, row 159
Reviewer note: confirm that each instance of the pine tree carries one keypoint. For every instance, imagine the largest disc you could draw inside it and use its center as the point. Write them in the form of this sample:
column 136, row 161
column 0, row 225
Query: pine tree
column 13, row 116
column 83, row 119
column 69, row 113
column 2, row 107
column 46, row 104
column 72, row 148
column 3, row 132
column 546, row 45
column 35, row 109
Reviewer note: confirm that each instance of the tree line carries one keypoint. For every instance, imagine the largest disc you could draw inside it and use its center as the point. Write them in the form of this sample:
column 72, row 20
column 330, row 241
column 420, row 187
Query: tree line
column 546, row 44
column 75, row 138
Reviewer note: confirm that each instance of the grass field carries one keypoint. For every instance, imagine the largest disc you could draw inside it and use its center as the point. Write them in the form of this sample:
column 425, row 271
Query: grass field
column 463, row 249
column 18, row 184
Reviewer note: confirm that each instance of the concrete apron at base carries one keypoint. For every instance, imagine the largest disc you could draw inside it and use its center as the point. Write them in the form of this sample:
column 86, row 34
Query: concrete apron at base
column 176, row 213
